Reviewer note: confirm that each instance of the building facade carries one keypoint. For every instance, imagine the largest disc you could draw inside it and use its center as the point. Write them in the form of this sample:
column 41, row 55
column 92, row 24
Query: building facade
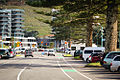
column 11, row 27
column 11, row 23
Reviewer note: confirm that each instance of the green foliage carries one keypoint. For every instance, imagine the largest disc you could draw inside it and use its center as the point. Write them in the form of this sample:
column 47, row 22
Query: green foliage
column 45, row 3
column 31, row 19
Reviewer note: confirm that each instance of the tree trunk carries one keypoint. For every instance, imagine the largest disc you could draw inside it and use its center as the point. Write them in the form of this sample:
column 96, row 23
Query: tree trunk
column 89, row 32
column 111, row 29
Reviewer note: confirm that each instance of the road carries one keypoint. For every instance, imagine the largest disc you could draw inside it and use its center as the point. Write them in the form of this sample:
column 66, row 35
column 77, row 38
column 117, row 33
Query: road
column 42, row 67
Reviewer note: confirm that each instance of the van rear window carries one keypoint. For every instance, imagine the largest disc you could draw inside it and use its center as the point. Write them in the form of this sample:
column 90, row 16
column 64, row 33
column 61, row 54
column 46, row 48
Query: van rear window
column 97, row 51
column 88, row 51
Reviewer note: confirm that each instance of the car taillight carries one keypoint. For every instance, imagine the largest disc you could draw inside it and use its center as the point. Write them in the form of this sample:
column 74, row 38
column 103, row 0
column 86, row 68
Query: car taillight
column 104, row 62
column 11, row 52
column 89, row 56
column 110, row 64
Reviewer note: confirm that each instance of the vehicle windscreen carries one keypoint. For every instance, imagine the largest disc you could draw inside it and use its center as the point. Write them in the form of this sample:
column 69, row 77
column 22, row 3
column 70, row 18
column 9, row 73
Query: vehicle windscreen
column 73, row 48
column 88, row 51
column 112, row 55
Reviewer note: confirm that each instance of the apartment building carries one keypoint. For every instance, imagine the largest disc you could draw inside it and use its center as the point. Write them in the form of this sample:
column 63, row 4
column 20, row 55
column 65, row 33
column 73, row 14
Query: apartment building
column 11, row 23
column 11, row 26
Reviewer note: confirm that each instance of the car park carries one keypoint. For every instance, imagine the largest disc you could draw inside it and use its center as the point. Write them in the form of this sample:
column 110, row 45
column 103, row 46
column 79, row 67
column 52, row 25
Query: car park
column 51, row 52
column 108, row 58
column 95, row 57
column 115, row 64
column 89, row 50
column 4, row 53
column 28, row 52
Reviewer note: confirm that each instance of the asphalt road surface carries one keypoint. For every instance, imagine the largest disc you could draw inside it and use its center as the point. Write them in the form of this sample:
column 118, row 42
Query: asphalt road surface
column 43, row 67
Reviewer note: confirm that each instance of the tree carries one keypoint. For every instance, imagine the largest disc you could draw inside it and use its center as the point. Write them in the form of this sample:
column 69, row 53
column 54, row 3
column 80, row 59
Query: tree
column 112, row 24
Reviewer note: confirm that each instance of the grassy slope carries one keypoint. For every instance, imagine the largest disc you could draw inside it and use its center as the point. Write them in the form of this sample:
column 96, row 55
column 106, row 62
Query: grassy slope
column 31, row 19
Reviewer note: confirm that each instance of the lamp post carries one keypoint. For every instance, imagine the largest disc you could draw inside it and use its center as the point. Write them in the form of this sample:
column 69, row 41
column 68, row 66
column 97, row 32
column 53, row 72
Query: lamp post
column 101, row 36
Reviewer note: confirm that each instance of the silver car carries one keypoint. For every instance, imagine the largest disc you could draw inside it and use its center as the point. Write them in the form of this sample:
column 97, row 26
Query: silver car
column 115, row 64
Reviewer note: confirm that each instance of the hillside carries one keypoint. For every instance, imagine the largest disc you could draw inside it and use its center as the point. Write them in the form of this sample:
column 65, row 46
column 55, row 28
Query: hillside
column 34, row 21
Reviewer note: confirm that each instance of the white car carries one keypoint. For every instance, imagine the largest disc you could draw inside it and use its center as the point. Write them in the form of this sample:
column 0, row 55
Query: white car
column 115, row 64
column 51, row 52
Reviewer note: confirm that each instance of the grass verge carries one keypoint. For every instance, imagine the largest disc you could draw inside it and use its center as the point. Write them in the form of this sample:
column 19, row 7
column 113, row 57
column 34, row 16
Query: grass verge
column 97, row 64
column 77, row 57
column 67, row 55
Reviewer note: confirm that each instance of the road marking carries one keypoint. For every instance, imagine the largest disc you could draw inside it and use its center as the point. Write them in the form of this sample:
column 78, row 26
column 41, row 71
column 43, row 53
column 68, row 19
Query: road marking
column 64, row 71
column 69, row 70
column 18, row 77
column 77, row 70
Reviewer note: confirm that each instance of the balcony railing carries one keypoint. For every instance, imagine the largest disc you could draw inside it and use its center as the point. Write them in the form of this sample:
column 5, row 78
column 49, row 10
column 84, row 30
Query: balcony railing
column 17, row 14
column 18, row 33
column 17, row 25
column 4, row 15
column 17, row 21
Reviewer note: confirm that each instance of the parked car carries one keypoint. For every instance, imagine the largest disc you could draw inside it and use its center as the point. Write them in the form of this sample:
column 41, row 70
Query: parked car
column 115, row 64
column 95, row 57
column 4, row 53
column 108, row 58
column 78, row 53
column 12, row 53
column 67, row 51
column 17, row 51
column 89, row 50
column 28, row 52
column 51, row 52
column 22, row 50
column 45, row 52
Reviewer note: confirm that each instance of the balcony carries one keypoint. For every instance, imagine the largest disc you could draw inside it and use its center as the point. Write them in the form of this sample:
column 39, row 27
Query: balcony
column 17, row 21
column 17, row 14
column 4, row 23
column 3, row 19
column 18, row 33
column 17, row 25
column 18, row 17
column 4, row 15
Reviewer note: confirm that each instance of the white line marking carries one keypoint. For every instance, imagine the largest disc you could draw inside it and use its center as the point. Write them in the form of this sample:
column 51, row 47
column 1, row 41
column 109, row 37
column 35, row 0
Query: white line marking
column 77, row 70
column 18, row 77
column 64, row 71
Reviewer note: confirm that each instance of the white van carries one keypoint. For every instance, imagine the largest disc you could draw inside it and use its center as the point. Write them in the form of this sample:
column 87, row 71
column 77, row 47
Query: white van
column 75, row 47
column 89, row 50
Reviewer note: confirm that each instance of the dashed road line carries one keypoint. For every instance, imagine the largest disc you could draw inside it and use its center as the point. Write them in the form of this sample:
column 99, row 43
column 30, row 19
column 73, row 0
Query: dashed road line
column 64, row 71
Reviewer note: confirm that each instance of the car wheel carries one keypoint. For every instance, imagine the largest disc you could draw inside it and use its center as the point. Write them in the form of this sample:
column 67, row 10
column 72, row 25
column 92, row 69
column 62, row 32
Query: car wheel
column 118, row 69
column 25, row 56
column 48, row 54
column 32, row 55
column 110, row 70
column 87, row 60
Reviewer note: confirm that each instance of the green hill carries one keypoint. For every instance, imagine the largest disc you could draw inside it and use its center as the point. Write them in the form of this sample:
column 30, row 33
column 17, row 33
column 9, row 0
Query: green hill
column 35, row 21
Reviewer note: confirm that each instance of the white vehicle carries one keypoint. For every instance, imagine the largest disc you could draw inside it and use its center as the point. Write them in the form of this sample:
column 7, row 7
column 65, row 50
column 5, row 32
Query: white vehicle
column 115, row 64
column 89, row 50
column 75, row 47
column 51, row 52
